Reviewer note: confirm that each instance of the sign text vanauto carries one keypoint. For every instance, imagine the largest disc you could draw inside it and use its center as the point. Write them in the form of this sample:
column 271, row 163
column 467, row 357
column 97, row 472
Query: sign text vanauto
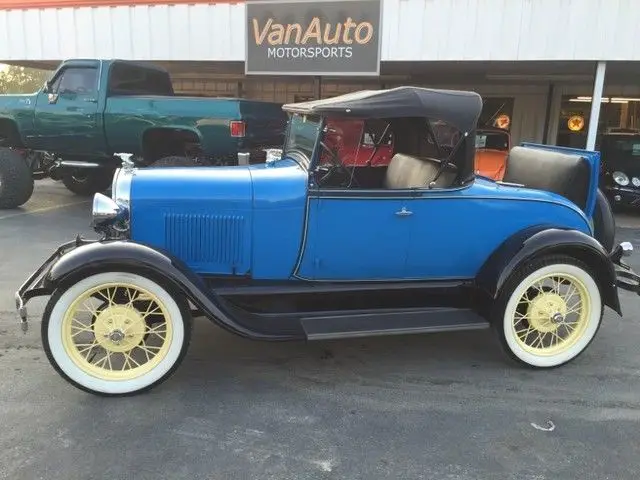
column 313, row 38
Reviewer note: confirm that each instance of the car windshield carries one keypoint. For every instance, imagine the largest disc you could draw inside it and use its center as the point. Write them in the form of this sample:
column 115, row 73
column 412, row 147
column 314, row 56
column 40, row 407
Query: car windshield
column 302, row 135
column 494, row 141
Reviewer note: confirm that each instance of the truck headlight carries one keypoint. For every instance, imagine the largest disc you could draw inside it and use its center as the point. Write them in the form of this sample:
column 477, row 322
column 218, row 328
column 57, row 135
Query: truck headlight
column 620, row 178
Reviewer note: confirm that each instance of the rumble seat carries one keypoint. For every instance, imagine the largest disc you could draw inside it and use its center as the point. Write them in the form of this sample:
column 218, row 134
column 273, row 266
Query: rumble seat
column 560, row 173
column 407, row 171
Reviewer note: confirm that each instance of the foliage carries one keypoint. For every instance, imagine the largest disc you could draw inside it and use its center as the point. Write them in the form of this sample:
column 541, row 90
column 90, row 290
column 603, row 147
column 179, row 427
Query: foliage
column 15, row 79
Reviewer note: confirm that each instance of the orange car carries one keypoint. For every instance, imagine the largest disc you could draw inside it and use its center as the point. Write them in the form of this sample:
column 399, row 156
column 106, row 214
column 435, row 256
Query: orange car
column 492, row 148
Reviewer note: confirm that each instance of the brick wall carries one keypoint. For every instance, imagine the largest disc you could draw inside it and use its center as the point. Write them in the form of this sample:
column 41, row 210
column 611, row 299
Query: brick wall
column 281, row 91
column 206, row 87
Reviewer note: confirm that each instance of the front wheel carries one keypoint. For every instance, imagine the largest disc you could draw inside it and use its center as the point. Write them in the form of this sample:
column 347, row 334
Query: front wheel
column 115, row 333
column 548, row 312
column 16, row 180
column 87, row 181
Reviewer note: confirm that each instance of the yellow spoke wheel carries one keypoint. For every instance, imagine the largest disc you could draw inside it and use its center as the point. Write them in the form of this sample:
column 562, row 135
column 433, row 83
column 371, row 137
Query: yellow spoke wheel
column 115, row 333
column 116, row 342
column 552, row 314
column 550, row 310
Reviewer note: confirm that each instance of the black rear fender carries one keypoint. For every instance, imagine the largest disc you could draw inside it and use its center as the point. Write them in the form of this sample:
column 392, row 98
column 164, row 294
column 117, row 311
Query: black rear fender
column 158, row 265
column 543, row 240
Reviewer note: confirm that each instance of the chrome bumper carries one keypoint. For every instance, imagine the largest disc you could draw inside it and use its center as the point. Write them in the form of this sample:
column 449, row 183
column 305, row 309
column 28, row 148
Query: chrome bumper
column 35, row 285
column 626, row 278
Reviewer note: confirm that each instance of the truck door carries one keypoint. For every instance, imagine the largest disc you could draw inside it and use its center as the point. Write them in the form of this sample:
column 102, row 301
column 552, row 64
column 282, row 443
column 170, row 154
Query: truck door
column 66, row 116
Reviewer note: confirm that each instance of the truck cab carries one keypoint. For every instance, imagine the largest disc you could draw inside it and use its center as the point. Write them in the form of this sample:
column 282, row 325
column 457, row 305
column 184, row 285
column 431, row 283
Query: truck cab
column 91, row 109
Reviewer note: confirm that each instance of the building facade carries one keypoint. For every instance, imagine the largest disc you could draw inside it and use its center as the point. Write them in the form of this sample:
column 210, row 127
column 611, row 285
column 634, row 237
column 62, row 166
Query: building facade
column 539, row 64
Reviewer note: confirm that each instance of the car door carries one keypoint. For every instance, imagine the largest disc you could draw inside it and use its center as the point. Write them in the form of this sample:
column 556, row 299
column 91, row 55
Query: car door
column 355, row 236
column 66, row 116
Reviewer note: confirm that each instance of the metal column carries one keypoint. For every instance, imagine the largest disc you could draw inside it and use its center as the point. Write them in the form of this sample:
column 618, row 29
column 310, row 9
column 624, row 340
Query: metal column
column 596, row 101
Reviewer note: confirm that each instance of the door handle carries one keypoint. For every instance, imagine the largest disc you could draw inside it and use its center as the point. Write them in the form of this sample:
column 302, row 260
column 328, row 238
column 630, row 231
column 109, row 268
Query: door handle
column 404, row 212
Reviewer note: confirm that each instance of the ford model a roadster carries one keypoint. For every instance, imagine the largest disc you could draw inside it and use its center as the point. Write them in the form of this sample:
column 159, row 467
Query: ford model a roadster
column 304, row 247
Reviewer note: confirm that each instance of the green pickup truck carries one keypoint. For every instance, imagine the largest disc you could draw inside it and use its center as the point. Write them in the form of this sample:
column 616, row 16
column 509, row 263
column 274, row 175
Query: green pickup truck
column 91, row 110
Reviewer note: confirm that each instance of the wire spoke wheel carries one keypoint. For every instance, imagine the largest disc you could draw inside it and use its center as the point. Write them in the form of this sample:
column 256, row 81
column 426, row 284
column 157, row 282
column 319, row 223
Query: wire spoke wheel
column 549, row 311
column 552, row 314
column 108, row 332
column 116, row 333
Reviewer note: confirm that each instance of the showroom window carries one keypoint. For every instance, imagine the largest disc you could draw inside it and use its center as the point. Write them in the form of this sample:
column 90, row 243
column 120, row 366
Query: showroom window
column 497, row 112
column 617, row 112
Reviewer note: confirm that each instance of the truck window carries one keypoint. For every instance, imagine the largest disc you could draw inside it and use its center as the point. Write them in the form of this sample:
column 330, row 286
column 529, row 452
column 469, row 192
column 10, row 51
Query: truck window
column 130, row 79
column 76, row 80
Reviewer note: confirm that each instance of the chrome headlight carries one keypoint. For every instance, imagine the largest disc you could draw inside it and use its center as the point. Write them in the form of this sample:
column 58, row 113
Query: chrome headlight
column 105, row 211
column 111, row 215
column 635, row 181
column 620, row 178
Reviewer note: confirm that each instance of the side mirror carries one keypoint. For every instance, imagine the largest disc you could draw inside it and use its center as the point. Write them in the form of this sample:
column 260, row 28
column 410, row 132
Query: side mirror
column 46, row 87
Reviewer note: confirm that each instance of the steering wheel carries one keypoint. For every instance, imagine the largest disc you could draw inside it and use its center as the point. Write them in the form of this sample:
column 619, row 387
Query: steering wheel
column 335, row 165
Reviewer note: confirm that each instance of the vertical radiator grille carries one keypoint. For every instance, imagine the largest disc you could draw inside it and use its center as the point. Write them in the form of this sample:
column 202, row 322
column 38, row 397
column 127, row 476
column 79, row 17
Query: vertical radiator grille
column 207, row 240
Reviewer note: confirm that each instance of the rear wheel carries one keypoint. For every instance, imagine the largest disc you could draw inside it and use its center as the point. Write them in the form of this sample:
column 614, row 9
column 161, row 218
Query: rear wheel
column 548, row 312
column 116, row 333
column 87, row 181
column 16, row 180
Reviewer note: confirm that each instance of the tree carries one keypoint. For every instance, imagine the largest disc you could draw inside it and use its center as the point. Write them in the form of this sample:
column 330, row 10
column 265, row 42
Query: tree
column 15, row 79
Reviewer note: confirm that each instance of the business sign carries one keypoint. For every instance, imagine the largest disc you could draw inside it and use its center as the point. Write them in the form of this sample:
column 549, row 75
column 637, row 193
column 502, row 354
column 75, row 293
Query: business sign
column 313, row 37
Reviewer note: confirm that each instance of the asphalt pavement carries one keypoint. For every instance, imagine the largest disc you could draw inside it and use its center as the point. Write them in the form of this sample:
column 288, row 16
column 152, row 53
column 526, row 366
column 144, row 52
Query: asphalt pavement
column 441, row 406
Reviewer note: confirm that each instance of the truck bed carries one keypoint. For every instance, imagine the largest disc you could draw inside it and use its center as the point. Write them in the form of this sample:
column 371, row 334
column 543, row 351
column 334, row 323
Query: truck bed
column 128, row 117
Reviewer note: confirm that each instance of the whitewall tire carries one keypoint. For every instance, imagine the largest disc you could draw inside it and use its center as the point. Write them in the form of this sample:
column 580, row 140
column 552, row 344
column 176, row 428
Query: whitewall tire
column 548, row 312
column 115, row 333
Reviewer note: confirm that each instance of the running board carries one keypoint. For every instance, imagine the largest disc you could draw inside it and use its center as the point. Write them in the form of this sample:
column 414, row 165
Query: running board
column 424, row 320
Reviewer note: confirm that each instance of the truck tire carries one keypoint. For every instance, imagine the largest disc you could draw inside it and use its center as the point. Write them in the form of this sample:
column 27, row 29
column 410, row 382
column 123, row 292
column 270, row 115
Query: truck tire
column 16, row 181
column 604, row 223
column 175, row 161
column 86, row 182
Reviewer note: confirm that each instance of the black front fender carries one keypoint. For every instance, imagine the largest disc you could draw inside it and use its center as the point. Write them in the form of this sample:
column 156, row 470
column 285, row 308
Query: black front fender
column 159, row 265
column 541, row 240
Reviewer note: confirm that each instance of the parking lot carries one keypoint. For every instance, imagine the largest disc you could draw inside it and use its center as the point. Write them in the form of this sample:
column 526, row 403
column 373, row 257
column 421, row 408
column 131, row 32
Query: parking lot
column 442, row 406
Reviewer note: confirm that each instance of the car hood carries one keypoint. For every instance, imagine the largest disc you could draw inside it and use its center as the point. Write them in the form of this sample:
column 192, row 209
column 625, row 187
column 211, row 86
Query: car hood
column 207, row 215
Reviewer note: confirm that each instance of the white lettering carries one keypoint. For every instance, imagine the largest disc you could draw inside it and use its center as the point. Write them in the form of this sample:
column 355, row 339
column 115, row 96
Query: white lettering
column 309, row 52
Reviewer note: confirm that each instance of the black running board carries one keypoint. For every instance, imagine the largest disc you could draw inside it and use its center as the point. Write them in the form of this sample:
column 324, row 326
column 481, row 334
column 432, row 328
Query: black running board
column 360, row 324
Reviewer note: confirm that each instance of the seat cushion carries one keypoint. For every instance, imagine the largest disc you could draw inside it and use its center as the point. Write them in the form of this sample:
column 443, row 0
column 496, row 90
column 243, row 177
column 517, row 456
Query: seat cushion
column 407, row 171
column 560, row 173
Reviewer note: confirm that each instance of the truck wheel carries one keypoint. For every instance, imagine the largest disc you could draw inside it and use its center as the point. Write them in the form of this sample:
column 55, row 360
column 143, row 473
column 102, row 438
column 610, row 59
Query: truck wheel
column 548, row 312
column 86, row 181
column 175, row 161
column 16, row 181
column 604, row 223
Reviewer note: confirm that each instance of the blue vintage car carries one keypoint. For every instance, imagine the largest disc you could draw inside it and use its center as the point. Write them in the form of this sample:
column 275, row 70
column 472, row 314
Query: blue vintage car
column 304, row 247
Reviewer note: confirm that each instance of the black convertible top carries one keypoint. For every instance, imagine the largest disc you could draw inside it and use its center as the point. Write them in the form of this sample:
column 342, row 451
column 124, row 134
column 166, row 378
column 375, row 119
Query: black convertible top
column 457, row 107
